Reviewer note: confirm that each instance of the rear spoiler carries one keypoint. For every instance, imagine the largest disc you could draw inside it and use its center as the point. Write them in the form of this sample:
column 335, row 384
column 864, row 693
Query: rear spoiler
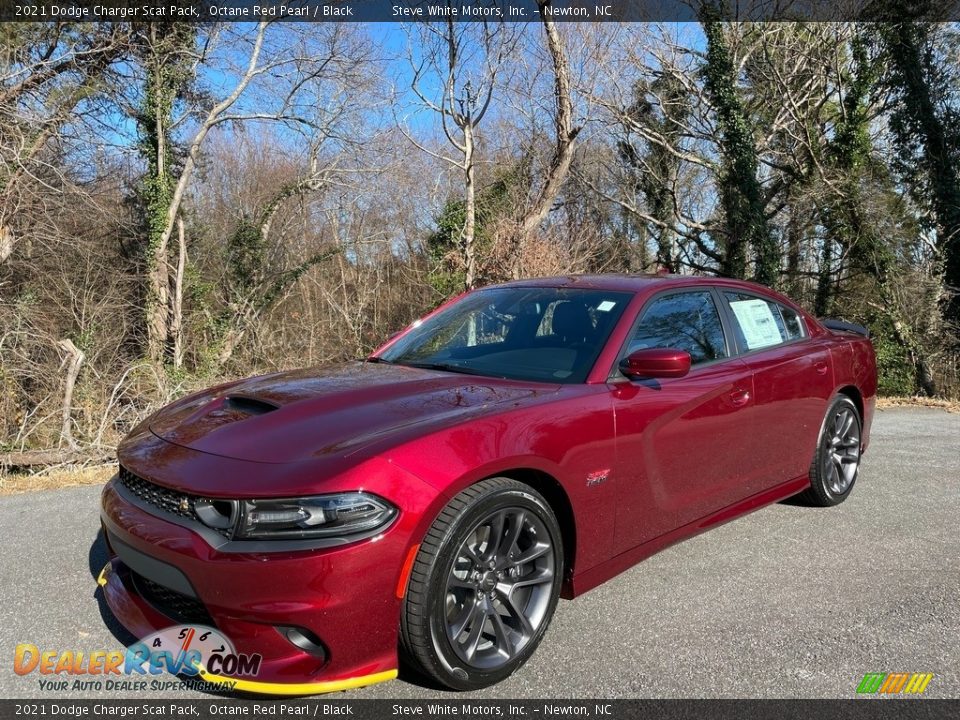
column 844, row 326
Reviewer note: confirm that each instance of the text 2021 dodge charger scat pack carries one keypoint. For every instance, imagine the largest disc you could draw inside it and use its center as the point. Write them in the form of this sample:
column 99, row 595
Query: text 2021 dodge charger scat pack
column 522, row 442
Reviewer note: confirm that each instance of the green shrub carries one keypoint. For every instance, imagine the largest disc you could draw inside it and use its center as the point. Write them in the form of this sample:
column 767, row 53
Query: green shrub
column 895, row 371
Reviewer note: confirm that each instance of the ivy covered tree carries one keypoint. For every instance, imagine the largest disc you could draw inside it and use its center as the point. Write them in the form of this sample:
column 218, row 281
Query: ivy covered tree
column 926, row 125
column 741, row 195
column 661, row 109
column 166, row 54
column 858, row 182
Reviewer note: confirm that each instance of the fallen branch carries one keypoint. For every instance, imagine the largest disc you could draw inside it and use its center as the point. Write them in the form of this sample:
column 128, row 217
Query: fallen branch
column 44, row 458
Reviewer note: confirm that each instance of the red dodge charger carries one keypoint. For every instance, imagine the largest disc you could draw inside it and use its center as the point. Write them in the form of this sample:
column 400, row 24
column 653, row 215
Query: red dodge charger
column 433, row 501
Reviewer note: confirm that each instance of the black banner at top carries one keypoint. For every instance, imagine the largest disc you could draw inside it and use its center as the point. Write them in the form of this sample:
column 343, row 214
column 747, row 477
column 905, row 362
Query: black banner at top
column 475, row 10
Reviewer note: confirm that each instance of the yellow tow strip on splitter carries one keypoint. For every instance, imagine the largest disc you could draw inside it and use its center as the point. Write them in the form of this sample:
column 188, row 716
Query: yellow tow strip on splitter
column 316, row 688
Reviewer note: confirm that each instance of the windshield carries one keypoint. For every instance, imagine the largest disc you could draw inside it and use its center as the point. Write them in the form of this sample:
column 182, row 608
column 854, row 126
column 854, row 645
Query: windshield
column 541, row 334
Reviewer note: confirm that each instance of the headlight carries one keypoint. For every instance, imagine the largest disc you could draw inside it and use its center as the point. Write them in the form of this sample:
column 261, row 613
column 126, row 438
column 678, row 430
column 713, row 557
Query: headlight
column 340, row 515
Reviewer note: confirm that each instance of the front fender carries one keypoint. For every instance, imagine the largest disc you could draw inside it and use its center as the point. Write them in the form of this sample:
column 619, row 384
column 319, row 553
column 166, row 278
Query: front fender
column 569, row 441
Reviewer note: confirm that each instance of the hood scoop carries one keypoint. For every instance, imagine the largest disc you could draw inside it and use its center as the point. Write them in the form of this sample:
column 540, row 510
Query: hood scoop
column 225, row 411
column 248, row 405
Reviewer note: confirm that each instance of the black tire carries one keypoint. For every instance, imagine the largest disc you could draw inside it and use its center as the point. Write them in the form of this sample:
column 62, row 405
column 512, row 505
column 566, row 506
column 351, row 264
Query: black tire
column 831, row 481
column 444, row 589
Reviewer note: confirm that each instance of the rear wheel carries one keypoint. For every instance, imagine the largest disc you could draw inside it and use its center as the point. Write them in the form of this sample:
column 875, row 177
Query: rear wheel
column 836, row 462
column 484, row 585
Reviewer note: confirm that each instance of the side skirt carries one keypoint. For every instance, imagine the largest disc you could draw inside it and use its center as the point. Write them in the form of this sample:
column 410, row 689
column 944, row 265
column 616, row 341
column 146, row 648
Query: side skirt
column 614, row 566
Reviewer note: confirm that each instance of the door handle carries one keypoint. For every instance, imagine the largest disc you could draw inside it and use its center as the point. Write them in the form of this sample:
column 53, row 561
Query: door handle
column 739, row 398
column 821, row 368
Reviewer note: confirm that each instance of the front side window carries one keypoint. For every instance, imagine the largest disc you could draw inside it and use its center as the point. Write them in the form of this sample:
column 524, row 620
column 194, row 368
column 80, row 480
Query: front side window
column 761, row 323
column 686, row 321
column 525, row 333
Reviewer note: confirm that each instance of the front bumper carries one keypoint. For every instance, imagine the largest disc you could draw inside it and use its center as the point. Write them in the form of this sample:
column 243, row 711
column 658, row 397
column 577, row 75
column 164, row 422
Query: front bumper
column 346, row 597
column 141, row 619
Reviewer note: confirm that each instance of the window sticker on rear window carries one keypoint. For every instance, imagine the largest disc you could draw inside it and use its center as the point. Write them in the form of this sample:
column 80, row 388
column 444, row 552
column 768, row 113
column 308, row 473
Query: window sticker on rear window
column 757, row 322
column 606, row 306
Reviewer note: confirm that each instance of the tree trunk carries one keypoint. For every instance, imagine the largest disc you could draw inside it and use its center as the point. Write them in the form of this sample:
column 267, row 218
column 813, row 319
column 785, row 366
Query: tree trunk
column 640, row 251
column 75, row 359
column 230, row 342
column 824, row 301
column 212, row 119
column 566, row 134
column 794, row 241
column 169, row 193
column 155, row 128
column 6, row 242
column 470, row 209
column 922, row 371
column 158, row 303
column 176, row 310
column 666, row 251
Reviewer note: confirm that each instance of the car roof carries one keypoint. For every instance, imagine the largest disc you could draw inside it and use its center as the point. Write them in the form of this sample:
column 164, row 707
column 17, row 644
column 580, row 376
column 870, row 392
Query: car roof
column 634, row 283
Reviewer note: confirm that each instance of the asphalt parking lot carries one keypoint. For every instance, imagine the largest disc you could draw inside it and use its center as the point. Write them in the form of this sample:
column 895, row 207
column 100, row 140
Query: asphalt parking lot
column 787, row 602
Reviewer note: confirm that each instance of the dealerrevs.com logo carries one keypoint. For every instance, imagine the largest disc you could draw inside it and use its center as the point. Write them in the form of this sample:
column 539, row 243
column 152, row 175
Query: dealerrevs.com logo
column 196, row 653
column 894, row 683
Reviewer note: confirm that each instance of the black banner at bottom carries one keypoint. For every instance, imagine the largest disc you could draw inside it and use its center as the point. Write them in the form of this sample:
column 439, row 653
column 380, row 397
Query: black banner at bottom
column 865, row 709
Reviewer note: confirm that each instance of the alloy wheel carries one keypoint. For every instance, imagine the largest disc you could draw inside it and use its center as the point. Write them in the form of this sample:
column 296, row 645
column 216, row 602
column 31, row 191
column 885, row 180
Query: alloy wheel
column 842, row 456
column 499, row 588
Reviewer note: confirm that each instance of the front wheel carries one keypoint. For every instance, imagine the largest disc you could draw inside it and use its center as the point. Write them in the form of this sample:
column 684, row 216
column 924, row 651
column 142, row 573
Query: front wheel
column 484, row 585
column 836, row 462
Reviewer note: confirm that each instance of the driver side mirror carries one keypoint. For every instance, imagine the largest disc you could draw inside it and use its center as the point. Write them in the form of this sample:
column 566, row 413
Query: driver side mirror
column 656, row 363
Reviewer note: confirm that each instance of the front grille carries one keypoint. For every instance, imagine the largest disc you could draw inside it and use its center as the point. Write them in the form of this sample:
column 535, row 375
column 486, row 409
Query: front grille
column 171, row 603
column 171, row 501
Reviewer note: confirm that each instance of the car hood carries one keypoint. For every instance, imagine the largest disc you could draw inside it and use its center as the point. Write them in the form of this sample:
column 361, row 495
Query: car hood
column 293, row 416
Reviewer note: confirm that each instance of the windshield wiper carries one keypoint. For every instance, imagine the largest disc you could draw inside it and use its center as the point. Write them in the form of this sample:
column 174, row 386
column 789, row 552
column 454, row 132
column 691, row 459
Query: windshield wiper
column 378, row 360
column 446, row 368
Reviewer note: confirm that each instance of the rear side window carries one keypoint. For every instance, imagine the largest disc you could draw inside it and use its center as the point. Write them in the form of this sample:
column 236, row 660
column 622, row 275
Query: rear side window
column 791, row 323
column 686, row 321
column 761, row 323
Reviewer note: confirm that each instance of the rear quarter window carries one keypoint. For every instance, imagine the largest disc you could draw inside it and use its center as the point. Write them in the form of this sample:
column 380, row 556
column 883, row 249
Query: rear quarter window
column 760, row 323
column 791, row 323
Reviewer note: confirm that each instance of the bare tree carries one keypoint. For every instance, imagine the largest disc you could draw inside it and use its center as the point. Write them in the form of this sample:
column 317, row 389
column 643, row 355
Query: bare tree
column 667, row 113
column 565, row 131
column 271, row 246
column 456, row 67
column 47, row 72
column 301, row 59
